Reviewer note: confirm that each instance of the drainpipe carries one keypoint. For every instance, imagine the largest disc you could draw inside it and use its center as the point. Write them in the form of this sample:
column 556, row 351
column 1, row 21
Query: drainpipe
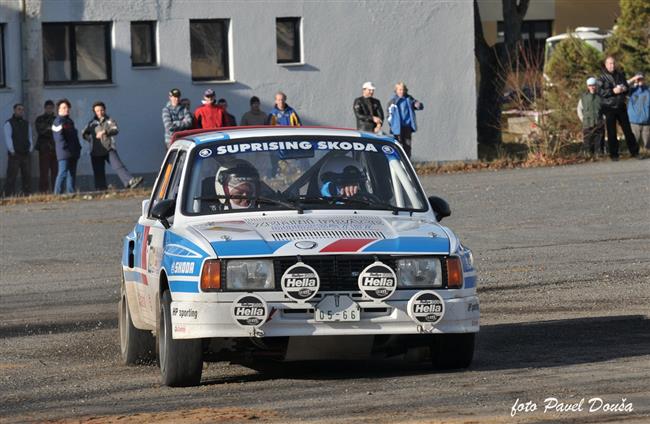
column 23, row 20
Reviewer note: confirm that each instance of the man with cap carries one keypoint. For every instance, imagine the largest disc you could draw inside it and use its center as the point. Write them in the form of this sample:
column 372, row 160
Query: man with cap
column 368, row 110
column 209, row 114
column 590, row 113
column 638, row 109
column 229, row 119
column 175, row 116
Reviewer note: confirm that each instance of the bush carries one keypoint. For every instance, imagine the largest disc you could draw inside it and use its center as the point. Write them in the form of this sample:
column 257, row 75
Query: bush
column 630, row 43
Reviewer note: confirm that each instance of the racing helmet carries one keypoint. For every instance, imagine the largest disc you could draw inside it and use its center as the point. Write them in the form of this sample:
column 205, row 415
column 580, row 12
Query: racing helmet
column 238, row 178
column 338, row 172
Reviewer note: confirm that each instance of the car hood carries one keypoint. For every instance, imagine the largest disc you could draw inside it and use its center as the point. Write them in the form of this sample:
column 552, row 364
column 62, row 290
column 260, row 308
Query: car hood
column 320, row 235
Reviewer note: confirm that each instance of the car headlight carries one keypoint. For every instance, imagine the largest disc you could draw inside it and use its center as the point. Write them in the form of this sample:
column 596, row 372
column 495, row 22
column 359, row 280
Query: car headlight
column 250, row 275
column 419, row 272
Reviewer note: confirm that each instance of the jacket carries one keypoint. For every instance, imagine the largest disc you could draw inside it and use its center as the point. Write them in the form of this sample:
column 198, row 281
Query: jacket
column 638, row 105
column 606, row 85
column 18, row 135
column 364, row 112
column 229, row 120
column 101, row 146
column 175, row 119
column 589, row 110
column 45, row 139
column 66, row 139
column 209, row 115
column 396, row 120
column 286, row 117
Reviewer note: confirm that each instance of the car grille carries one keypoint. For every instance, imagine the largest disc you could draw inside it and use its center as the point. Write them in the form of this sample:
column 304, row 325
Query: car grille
column 337, row 273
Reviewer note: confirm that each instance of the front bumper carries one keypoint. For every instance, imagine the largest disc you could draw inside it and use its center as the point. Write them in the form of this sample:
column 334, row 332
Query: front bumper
column 192, row 319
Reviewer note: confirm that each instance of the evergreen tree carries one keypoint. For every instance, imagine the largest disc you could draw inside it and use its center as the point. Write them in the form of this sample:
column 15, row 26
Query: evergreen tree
column 630, row 44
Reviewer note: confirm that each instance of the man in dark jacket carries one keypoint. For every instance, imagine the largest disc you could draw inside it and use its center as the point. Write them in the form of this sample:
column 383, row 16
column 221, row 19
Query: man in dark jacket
column 589, row 112
column 47, row 165
column 613, row 89
column 229, row 119
column 18, row 138
column 368, row 110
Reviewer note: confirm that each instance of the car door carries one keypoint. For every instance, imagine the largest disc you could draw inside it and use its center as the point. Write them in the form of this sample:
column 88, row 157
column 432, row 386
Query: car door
column 167, row 190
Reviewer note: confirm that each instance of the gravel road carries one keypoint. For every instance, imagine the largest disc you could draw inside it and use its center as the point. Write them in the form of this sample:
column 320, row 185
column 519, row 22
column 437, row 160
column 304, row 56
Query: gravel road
column 564, row 261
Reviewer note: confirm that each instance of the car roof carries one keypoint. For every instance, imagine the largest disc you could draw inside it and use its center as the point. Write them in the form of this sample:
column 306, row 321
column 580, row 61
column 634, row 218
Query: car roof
column 231, row 133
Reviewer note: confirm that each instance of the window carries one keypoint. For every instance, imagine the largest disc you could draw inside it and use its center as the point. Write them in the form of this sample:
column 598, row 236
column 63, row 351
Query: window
column 143, row 43
column 287, row 34
column 2, row 56
column 209, row 49
column 76, row 52
column 533, row 35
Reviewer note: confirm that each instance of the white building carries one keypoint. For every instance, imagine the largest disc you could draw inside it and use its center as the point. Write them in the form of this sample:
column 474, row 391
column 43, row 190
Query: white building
column 129, row 54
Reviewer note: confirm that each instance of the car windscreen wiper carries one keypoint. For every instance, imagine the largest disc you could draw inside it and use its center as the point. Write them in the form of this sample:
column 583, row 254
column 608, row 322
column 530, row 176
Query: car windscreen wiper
column 259, row 199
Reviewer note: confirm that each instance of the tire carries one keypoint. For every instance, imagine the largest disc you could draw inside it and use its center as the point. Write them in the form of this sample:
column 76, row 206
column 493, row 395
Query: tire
column 181, row 361
column 136, row 346
column 452, row 351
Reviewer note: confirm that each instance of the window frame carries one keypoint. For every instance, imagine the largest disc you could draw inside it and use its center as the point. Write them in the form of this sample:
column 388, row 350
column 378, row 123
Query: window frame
column 3, row 69
column 297, row 48
column 225, row 51
column 72, row 49
column 153, row 26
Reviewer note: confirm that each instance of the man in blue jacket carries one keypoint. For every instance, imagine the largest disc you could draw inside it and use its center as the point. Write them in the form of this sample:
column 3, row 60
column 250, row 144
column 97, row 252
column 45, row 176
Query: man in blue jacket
column 638, row 109
column 401, row 116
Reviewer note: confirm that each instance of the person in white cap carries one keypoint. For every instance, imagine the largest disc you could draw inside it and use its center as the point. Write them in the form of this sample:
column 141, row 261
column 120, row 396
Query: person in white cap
column 591, row 115
column 368, row 110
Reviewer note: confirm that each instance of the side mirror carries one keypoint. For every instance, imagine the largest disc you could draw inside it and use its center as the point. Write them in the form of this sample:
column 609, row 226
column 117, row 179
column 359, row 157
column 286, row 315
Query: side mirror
column 145, row 207
column 163, row 210
column 440, row 207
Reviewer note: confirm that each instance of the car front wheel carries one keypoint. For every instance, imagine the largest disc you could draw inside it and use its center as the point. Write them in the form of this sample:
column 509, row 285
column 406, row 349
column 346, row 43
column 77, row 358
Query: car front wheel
column 452, row 351
column 136, row 346
column 181, row 361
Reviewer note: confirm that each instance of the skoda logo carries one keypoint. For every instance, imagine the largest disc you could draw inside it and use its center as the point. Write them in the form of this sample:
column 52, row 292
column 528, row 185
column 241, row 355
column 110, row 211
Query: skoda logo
column 306, row 244
column 205, row 153
column 388, row 150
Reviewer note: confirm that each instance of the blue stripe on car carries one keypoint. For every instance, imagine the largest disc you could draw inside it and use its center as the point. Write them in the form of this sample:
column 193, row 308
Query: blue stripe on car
column 470, row 282
column 184, row 286
column 410, row 244
column 247, row 247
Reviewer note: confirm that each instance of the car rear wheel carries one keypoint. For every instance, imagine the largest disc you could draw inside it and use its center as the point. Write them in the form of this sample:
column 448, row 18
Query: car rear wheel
column 181, row 361
column 452, row 351
column 136, row 346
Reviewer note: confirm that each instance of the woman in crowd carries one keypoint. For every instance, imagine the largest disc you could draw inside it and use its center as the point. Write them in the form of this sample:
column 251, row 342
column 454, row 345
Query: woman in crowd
column 67, row 146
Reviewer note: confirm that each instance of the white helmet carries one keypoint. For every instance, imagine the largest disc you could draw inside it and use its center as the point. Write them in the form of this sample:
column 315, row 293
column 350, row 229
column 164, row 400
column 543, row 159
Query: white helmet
column 340, row 171
column 238, row 178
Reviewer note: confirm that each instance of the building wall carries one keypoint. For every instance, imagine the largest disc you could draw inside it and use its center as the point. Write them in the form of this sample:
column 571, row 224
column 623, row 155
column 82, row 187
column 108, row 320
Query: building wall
column 427, row 44
column 576, row 13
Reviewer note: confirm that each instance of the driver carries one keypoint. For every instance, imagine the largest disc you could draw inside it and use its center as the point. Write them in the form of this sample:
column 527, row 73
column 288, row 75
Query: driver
column 341, row 176
column 239, row 184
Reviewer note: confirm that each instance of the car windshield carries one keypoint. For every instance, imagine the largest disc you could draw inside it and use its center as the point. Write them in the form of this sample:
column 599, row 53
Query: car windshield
column 301, row 173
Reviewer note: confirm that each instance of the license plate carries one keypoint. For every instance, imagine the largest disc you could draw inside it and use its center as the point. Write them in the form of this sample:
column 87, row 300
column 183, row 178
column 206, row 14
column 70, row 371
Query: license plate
column 337, row 308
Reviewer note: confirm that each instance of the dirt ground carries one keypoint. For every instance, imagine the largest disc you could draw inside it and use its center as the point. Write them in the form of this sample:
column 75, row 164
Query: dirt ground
column 564, row 261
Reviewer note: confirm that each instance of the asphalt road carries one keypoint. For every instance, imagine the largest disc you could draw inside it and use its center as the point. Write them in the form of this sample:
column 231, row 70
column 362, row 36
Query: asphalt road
column 564, row 262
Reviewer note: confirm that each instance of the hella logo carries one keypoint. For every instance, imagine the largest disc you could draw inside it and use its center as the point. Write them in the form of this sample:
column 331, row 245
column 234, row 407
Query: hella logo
column 306, row 245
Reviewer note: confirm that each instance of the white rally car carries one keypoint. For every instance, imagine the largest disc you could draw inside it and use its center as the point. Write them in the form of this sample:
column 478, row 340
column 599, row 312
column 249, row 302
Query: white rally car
column 292, row 244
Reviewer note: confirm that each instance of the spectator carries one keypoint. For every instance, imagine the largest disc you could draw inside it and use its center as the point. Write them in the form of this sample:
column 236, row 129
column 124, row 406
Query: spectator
column 174, row 116
column 368, row 110
column 590, row 114
column 282, row 113
column 68, row 149
column 401, row 116
column 18, row 137
column 209, row 114
column 638, row 109
column 229, row 120
column 255, row 116
column 612, row 89
column 100, row 133
column 45, row 145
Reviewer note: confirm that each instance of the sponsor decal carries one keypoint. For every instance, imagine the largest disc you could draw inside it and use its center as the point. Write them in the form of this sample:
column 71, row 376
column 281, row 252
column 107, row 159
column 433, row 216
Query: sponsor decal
column 182, row 267
column 300, row 282
column 377, row 281
column 290, row 145
column 250, row 311
column 426, row 308
column 388, row 150
column 185, row 313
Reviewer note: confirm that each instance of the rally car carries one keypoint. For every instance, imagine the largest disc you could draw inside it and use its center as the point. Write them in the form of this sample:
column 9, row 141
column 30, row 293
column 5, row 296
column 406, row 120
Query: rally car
column 292, row 244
